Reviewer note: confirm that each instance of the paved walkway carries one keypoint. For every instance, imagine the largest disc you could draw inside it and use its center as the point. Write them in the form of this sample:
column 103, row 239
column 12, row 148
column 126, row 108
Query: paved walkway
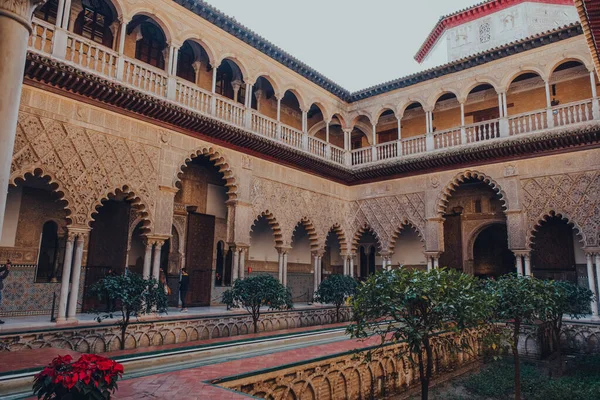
column 194, row 383
column 41, row 322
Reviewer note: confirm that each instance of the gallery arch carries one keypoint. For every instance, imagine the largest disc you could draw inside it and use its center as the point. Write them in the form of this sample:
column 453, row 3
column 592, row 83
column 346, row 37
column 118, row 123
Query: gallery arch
column 556, row 250
column 367, row 257
column 304, row 266
column 200, row 211
column 407, row 249
column 471, row 207
column 333, row 258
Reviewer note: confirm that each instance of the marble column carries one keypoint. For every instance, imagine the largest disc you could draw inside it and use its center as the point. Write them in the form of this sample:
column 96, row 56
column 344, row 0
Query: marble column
column 436, row 262
column 242, row 263
column 519, row 264
column 589, row 257
column 72, row 308
column 527, row 258
column 351, row 266
column 285, row 261
column 346, row 266
column 235, row 273
column 429, row 263
column 66, row 278
column 15, row 27
column 280, row 264
column 156, row 260
column 147, row 259
column 315, row 272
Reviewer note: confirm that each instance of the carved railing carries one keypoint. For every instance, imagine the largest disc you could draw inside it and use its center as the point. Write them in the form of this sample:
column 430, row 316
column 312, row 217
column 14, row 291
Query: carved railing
column 413, row 145
column 481, row 131
column 527, row 122
column 264, row 126
column 337, row 155
column 317, row 146
column 92, row 56
column 447, row 138
column 362, row 156
column 572, row 113
column 145, row 77
column 229, row 111
column 42, row 36
column 192, row 96
column 291, row 136
column 387, row 150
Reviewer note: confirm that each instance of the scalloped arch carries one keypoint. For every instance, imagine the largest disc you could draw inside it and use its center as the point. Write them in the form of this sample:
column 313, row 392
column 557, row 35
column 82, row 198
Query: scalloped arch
column 446, row 192
column 219, row 162
column 394, row 237
column 359, row 232
column 132, row 198
column 313, row 236
column 57, row 187
column 273, row 223
column 543, row 219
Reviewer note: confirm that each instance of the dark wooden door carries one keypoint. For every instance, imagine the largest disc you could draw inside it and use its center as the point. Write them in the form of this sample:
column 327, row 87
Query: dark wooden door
column 199, row 257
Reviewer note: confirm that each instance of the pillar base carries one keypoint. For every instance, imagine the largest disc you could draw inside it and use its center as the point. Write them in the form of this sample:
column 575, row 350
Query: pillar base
column 63, row 321
column 71, row 321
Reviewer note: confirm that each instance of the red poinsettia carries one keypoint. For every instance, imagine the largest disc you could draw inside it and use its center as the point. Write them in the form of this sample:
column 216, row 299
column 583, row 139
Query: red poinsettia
column 90, row 377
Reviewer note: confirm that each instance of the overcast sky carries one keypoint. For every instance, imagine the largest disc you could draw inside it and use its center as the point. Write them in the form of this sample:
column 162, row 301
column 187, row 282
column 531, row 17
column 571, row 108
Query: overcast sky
column 356, row 43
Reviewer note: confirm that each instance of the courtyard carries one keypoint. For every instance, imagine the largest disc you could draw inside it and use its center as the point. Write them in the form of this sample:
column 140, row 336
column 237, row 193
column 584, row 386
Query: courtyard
column 191, row 211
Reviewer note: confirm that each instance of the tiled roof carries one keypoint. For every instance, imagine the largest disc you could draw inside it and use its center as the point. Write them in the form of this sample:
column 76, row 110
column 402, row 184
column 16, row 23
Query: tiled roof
column 233, row 27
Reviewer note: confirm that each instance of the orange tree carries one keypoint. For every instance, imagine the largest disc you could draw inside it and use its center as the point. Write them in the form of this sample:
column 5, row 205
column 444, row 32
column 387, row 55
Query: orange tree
column 335, row 290
column 255, row 292
column 414, row 306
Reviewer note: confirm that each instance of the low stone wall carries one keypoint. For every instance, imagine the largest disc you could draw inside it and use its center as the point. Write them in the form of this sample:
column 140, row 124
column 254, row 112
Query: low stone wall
column 102, row 337
column 347, row 377
column 576, row 338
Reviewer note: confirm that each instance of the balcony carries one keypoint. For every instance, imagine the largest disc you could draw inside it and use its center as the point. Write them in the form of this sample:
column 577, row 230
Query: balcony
column 89, row 56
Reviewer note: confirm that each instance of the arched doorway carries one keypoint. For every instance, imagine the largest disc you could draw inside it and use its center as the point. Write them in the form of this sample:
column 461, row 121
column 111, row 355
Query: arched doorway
column 367, row 255
column 33, row 237
column 200, row 203
column 108, row 244
column 333, row 261
column 491, row 256
column 408, row 249
column 553, row 253
column 300, row 265
column 472, row 205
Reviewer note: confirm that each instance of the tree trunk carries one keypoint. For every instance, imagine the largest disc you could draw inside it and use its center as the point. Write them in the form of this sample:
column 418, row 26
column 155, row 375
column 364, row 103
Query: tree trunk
column 428, row 368
column 517, row 362
column 556, row 333
column 124, row 331
column 423, row 377
column 255, row 317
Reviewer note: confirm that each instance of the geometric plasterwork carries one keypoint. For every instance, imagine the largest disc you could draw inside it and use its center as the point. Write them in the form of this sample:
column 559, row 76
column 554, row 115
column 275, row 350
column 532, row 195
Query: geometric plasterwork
column 384, row 216
column 286, row 206
column 87, row 165
column 575, row 197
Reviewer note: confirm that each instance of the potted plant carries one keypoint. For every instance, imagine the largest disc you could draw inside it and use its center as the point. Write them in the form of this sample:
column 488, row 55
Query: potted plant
column 92, row 377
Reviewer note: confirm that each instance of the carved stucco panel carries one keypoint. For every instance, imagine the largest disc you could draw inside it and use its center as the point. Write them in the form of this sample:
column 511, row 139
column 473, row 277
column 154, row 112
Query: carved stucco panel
column 86, row 164
column 290, row 205
column 385, row 215
column 574, row 196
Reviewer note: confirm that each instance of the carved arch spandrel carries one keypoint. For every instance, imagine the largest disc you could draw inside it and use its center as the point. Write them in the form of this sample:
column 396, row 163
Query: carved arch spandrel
column 89, row 165
column 575, row 197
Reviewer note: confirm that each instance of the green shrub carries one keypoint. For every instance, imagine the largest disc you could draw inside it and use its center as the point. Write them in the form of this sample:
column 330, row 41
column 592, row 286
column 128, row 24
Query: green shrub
column 497, row 381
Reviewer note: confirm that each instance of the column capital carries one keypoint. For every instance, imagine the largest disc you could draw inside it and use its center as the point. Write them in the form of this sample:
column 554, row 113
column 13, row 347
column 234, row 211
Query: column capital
column 592, row 251
column 20, row 10
column 434, row 254
column 283, row 249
